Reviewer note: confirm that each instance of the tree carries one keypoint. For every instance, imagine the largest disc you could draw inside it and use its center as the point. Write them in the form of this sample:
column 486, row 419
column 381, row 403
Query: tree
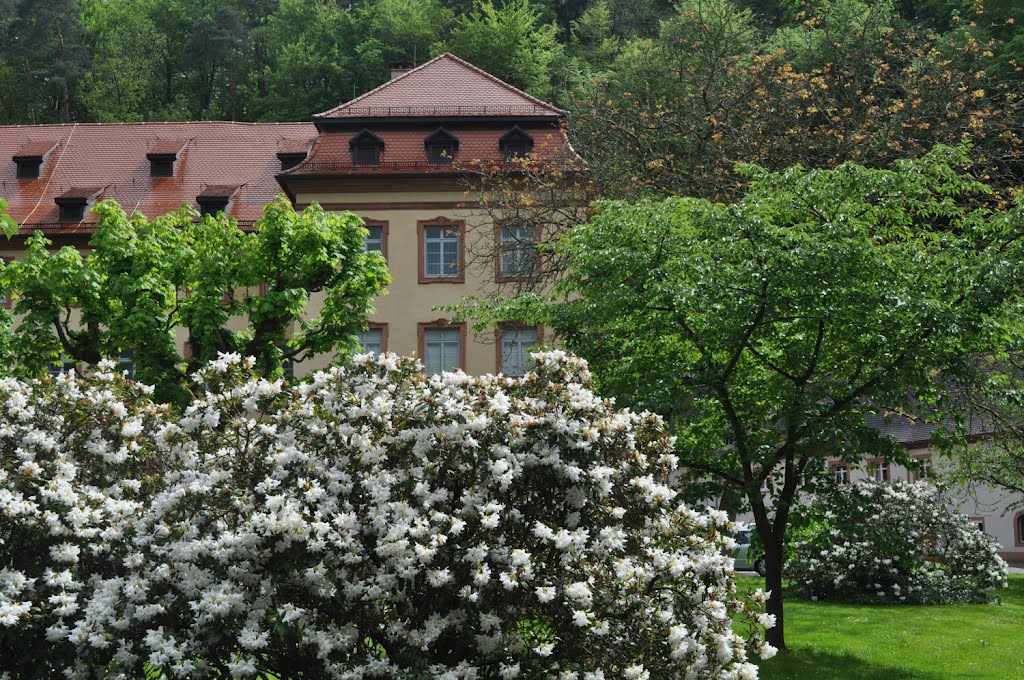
column 509, row 41
column 767, row 329
column 46, row 49
column 674, row 114
column 143, row 279
column 994, row 397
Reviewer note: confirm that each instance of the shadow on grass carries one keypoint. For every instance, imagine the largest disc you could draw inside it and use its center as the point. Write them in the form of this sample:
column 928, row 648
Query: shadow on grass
column 821, row 665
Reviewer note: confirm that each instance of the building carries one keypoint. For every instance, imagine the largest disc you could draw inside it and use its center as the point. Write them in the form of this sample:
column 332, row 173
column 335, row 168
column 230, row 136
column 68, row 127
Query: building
column 396, row 156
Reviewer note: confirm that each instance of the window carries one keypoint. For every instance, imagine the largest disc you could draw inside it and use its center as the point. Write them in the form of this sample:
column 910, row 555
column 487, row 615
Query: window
column 978, row 522
column 515, row 144
column 441, row 147
column 126, row 363
column 924, row 472
column 374, row 340
column 514, row 348
column 288, row 365
column 840, row 473
column 377, row 239
column 72, row 213
column 74, row 201
column 442, row 346
column 209, row 205
column 215, row 199
column 1018, row 526
column 65, row 366
column 289, row 159
column 28, row 168
column 161, row 164
column 440, row 245
column 366, row 149
column 518, row 252
column 878, row 470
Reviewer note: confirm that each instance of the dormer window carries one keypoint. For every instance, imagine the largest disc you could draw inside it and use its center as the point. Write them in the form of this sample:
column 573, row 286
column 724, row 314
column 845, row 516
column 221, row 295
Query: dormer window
column 515, row 144
column 162, row 154
column 160, row 165
column 289, row 159
column 215, row 199
column 30, row 158
column 28, row 168
column 73, row 202
column 441, row 147
column 366, row 148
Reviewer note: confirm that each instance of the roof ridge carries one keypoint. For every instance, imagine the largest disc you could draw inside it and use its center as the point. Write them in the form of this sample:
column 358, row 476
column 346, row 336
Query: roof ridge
column 507, row 86
column 445, row 55
column 386, row 83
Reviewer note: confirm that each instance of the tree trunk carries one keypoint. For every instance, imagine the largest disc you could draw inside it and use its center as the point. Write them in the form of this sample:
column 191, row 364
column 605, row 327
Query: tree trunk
column 776, row 636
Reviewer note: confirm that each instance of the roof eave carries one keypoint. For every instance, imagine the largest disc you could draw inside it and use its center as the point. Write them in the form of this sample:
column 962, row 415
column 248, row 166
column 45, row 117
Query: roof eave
column 329, row 124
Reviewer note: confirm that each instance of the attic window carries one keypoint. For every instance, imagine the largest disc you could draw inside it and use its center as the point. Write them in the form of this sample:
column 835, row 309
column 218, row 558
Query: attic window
column 73, row 202
column 161, row 165
column 289, row 159
column 366, row 148
column 30, row 158
column 28, row 168
column 162, row 153
column 516, row 144
column 441, row 147
column 211, row 205
column 215, row 199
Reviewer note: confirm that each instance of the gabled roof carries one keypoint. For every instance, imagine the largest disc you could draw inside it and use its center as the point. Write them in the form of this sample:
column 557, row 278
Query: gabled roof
column 443, row 86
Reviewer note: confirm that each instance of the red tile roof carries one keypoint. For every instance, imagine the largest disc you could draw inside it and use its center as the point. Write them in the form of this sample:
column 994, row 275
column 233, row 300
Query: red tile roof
column 404, row 150
column 443, row 86
column 166, row 147
column 86, row 193
column 113, row 157
column 218, row 191
column 36, row 149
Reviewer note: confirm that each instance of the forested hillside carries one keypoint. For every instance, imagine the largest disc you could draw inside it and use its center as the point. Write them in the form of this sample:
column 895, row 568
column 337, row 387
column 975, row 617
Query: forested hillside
column 665, row 96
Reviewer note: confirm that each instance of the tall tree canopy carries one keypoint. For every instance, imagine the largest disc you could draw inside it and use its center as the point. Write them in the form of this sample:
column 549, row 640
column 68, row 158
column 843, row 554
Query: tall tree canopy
column 93, row 60
column 231, row 291
column 766, row 329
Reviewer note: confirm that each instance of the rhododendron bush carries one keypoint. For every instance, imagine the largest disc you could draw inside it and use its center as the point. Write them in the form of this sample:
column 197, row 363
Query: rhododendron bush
column 894, row 542
column 369, row 522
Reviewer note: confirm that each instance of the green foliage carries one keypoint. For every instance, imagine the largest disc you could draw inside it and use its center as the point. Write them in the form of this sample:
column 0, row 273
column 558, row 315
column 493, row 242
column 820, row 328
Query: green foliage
column 767, row 329
column 510, row 41
column 232, row 292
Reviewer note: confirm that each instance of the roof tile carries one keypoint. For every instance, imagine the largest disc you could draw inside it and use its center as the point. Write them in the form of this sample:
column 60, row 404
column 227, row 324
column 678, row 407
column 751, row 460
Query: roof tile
column 114, row 156
column 443, row 86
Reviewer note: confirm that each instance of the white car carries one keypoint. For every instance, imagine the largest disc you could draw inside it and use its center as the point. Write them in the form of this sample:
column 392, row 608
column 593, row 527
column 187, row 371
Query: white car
column 743, row 562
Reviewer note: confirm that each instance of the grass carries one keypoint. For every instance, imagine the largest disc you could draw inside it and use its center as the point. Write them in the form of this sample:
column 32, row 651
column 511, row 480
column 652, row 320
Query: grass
column 857, row 642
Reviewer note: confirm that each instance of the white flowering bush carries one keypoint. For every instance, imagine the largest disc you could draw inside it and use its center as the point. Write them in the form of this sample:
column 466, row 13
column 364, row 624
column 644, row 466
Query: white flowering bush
column 899, row 542
column 369, row 522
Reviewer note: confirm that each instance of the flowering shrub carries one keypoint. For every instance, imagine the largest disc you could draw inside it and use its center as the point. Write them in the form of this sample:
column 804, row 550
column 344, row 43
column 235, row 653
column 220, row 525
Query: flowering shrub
column 370, row 522
column 894, row 542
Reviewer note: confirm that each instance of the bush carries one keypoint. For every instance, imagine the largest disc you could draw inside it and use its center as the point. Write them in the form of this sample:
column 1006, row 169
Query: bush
column 890, row 543
column 371, row 522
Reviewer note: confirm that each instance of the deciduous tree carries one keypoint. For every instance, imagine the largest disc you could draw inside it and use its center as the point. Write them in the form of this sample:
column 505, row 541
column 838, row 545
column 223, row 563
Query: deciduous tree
column 231, row 291
column 766, row 329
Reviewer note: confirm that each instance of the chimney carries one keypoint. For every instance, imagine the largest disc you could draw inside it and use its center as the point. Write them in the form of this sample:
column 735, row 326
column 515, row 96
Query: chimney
column 399, row 68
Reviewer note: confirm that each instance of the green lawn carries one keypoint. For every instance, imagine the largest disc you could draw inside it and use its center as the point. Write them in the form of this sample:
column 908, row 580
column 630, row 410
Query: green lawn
column 855, row 642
